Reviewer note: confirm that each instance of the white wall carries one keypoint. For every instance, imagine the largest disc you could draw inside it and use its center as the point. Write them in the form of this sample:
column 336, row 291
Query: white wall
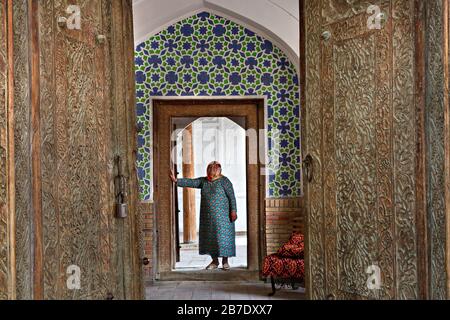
column 151, row 16
column 277, row 20
column 280, row 18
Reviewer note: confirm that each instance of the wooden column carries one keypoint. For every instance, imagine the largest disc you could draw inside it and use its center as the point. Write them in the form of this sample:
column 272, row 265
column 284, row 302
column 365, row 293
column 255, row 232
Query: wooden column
column 189, row 214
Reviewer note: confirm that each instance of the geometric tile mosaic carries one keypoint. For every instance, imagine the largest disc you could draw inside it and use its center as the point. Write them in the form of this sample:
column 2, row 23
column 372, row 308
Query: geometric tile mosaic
column 208, row 55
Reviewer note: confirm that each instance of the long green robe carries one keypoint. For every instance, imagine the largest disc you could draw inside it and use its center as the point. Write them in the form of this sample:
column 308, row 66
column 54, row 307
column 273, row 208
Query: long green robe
column 217, row 232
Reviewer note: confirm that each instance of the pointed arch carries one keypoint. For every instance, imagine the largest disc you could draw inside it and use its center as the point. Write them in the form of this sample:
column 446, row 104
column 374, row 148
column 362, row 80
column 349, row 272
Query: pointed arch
column 234, row 17
column 211, row 55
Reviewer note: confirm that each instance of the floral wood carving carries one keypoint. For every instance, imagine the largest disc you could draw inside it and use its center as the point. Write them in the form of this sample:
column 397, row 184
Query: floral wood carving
column 360, row 83
column 436, row 144
column 22, row 151
column 86, row 118
column 4, row 212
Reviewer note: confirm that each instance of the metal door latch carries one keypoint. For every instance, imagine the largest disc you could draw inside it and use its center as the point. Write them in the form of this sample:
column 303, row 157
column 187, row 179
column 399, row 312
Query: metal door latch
column 121, row 187
column 121, row 207
column 308, row 164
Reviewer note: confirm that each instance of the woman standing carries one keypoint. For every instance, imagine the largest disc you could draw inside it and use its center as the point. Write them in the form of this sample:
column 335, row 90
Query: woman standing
column 217, row 214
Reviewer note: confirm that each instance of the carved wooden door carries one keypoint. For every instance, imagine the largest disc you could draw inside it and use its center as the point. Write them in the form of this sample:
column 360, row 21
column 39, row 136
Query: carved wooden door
column 86, row 123
column 79, row 119
column 6, row 160
column 362, row 136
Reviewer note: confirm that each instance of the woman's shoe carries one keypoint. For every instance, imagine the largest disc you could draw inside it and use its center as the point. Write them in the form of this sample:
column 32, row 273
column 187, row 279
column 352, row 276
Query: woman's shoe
column 212, row 266
column 226, row 266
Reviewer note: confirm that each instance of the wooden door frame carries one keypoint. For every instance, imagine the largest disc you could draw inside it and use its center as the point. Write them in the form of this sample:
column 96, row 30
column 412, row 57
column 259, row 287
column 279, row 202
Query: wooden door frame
column 446, row 50
column 303, row 114
column 168, row 108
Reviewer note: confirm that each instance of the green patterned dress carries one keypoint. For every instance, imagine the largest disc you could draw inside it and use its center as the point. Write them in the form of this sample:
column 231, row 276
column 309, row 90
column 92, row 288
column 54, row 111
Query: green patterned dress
column 217, row 232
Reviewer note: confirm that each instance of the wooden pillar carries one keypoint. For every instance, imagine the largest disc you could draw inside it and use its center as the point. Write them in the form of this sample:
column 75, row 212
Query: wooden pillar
column 189, row 213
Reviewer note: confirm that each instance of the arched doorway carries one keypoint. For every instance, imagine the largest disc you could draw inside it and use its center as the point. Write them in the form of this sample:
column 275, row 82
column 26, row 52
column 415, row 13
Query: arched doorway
column 199, row 143
column 251, row 113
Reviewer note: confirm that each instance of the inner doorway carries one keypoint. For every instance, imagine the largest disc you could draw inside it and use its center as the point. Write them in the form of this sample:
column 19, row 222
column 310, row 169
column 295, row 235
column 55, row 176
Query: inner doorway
column 198, row 143
column 169, row 117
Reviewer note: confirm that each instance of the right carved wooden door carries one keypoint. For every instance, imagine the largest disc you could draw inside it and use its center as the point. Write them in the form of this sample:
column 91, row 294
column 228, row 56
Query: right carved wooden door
column 362, row 134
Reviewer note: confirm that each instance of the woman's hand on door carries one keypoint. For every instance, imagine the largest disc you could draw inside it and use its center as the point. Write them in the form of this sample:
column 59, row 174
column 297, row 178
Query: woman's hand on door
column 172, row 176
column 233, row 216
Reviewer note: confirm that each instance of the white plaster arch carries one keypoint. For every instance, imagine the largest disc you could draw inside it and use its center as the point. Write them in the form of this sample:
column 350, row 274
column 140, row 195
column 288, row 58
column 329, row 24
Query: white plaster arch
column 173, row 11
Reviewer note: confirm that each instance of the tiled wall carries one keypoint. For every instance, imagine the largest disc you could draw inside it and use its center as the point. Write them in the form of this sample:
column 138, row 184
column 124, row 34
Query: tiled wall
column 207, row 55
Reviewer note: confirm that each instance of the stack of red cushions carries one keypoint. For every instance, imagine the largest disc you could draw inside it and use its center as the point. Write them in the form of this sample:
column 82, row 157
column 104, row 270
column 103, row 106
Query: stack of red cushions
column 294, row 247
column 288, row 262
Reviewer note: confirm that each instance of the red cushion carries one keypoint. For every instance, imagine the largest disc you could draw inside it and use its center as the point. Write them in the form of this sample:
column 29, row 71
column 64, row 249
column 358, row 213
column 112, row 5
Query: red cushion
column 279, row 267
column 288, row 262
column 294, row 247
column 291, row 251
column 297, row 238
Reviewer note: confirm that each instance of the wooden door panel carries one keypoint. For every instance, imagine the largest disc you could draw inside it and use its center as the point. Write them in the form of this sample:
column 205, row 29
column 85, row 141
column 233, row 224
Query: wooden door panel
column 361, row 133
column 81, row 106
column 6, row 178
column 77, row 152
column 22, row 151
column 350, row 74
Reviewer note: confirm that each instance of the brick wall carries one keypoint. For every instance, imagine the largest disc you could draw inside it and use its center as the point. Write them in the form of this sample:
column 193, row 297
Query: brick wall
column 279, row 218
column 146, row 210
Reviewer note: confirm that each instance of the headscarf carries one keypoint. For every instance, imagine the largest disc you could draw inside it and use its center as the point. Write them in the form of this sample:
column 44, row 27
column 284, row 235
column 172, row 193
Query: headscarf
column 214, row 169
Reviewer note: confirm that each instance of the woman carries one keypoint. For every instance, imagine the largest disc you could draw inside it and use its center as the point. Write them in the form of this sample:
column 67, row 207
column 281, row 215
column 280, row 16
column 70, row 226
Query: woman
column 217, row 214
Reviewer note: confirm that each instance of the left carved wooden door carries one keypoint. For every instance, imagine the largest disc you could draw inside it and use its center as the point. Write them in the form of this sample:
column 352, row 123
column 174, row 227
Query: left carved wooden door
column 77, row 138
column 6, row 161
column 80, row 83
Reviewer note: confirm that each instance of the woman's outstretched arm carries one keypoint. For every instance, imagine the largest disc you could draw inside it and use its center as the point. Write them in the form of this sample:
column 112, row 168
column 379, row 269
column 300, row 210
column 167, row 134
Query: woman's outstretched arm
column 190, row 183
column 184, row 182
